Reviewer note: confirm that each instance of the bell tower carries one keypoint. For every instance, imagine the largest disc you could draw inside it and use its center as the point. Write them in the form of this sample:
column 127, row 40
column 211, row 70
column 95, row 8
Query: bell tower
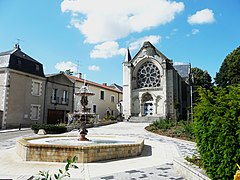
column 127, row 76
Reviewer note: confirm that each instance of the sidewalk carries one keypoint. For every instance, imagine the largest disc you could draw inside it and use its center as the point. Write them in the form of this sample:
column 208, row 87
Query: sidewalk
column 13, row 130
column 156, row 161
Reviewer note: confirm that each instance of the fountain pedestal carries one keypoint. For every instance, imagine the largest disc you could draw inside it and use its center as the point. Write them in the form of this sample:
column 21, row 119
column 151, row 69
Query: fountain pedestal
column 85, row 114
column 83, row 133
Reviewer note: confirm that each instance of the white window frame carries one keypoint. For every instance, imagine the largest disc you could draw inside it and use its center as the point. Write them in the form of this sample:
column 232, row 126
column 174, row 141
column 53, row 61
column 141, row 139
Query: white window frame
column 39, row 91
column 113, row 98
column 37, row 116
column 65, row 96
column 54, row 98
column 103, row 94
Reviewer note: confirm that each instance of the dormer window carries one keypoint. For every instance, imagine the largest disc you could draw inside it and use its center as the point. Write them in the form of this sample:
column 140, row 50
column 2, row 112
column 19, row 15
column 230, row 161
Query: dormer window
column 19, row 62
column 37, row 67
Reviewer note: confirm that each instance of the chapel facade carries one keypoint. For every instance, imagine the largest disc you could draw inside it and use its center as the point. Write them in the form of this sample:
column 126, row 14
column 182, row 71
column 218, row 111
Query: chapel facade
column 153, row 87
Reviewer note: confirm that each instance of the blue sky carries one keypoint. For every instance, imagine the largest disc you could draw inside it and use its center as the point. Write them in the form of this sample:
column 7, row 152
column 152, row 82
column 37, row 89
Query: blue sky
column 91, row 36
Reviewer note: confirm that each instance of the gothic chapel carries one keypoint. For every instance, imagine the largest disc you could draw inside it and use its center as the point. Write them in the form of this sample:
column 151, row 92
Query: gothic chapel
column 153, row 87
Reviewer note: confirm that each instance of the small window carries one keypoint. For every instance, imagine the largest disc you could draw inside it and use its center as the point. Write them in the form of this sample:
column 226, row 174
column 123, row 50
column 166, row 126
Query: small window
column 112, row 98
column 36, row 88
column 102, row 95
column 35, row 112
column 54, row 97
column 94, row 108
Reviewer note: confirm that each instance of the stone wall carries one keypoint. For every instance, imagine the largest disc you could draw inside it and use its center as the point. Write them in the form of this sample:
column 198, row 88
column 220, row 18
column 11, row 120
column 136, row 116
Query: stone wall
column 60, row 153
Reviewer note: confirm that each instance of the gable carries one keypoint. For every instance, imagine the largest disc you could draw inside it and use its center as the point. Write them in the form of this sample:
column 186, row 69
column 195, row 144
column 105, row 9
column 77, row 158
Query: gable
column 60, row 78
column 148, row 51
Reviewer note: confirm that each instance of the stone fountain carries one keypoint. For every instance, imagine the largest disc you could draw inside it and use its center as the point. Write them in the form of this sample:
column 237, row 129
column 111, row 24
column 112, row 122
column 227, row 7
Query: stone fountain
column 84, row 114
column 59, row 148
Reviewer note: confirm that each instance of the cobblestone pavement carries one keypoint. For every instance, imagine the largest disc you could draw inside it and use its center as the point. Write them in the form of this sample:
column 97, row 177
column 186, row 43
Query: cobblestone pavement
column 163, row 172
column 133, row 168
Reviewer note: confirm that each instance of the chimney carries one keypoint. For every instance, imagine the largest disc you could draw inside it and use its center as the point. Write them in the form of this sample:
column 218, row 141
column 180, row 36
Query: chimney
column 79, row 75
column 16, row 46
column 105, row 84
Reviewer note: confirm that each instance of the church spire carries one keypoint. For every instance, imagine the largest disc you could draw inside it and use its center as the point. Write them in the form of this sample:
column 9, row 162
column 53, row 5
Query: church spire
column 127, row 56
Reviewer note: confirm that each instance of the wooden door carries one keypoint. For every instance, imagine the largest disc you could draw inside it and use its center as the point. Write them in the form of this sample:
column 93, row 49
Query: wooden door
column 55, row 116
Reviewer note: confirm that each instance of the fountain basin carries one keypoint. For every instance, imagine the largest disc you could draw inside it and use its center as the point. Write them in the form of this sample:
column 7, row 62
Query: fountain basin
column 61, row 148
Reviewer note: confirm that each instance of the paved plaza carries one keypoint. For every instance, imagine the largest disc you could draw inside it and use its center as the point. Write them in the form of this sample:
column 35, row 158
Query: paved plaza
column 156, row 161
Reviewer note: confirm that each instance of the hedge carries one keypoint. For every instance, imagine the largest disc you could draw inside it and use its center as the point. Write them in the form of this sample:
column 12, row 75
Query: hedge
column 217, row 130
column 49, row 128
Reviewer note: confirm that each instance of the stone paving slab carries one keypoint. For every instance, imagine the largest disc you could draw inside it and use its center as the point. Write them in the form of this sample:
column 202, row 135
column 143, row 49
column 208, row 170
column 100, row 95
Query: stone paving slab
column 154, row 163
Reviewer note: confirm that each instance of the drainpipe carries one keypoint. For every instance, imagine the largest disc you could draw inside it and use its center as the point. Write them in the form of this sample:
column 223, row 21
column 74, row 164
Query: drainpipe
column 73, row 97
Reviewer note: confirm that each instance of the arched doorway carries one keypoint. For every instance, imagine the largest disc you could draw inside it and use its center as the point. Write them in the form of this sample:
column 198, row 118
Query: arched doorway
column 147, row 101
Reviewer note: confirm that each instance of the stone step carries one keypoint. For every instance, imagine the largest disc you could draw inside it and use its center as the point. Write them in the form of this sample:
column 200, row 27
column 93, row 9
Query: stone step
column 145, row 119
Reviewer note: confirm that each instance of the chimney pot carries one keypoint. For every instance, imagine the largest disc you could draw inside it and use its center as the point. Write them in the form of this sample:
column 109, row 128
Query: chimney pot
column 79, row 75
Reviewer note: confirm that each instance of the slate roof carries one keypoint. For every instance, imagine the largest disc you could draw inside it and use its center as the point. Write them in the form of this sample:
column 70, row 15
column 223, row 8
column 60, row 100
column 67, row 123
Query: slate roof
column 93, row 83
column 183, row 70
column 117, row 87
column 18, row 60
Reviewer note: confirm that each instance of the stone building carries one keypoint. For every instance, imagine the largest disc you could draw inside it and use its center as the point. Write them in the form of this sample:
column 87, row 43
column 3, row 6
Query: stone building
column 22, row 89
column 106, row 100
column 153, row 88
column 59, row 98
column 28, row 97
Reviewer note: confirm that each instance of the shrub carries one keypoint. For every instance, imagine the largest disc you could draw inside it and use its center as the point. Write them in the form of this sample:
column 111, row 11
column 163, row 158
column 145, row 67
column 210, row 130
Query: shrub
column 187, row 128
column 109, row 117
column 163, row 124
column 49, row 128
column 195, row 160
column 217, row 130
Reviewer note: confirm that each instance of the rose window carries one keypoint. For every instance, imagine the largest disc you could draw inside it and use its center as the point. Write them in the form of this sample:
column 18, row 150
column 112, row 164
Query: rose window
column 148, row 76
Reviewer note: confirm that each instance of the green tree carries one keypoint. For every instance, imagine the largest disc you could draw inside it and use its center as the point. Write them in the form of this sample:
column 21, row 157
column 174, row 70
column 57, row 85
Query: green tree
column 229, row 72
column 67, row 72
column 201, row 78
column 217, row 130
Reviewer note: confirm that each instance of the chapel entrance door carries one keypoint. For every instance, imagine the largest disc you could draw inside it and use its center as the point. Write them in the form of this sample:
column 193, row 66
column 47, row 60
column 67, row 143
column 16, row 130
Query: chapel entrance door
column 147, row 100
column 148, row 109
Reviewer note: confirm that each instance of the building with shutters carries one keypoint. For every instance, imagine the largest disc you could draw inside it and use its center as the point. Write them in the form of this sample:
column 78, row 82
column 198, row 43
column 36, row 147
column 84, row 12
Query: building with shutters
column 22, row 89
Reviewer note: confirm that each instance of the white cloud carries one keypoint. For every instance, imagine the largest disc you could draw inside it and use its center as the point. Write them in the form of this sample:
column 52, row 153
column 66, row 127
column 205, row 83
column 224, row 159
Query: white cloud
column 202, row 17
column 107, row 50
column 111, row 48
column 167, row 37
column 138, row 43
column 195, row 31
column 63, row 66
column 109, row 20
column 94, row 68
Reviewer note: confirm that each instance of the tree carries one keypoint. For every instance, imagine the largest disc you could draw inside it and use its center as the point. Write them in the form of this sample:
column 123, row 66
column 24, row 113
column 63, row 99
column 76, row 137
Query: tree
column 67, row 72
column 201, row 78
column 229, row 72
